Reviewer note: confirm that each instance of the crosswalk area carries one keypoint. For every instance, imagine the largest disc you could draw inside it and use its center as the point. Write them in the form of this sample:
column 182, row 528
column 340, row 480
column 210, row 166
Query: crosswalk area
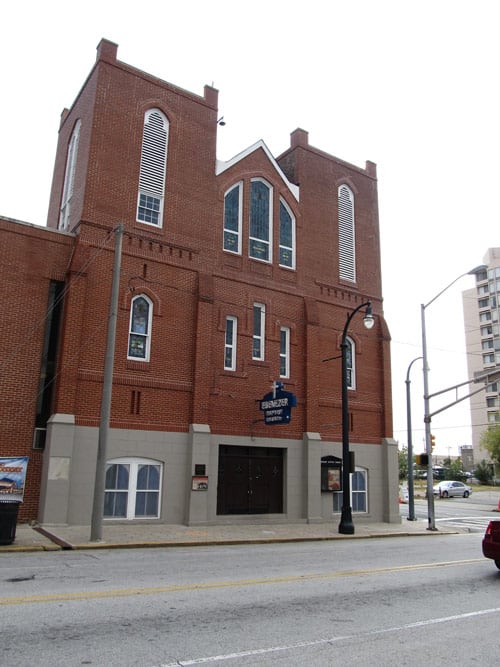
column 470, row 524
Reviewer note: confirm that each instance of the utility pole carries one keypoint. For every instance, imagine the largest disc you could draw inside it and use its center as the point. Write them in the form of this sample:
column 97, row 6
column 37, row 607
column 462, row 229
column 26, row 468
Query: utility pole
column 107, row 387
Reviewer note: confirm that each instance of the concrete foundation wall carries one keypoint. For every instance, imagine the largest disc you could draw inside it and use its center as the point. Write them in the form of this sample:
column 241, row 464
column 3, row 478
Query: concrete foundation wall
column 70, row 462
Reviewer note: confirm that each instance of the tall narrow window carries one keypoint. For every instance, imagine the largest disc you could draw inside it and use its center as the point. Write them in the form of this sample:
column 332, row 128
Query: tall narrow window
column 69, row 178
column 259, row 328
column 284, row 352
column 116, row 492
column 153, row 168
column 230, row 343
column 232, row 219
column 287, row 237
column 347, row 260
column 359, row 492
column 260, row 220
column 139, row 341
column 351, row 377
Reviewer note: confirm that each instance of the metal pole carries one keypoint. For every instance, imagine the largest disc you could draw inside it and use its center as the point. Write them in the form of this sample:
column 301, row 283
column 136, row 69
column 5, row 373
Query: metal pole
column 427, row 412
column 100, row 473
column 427, row 422
column 346, row 526
column 411, row 491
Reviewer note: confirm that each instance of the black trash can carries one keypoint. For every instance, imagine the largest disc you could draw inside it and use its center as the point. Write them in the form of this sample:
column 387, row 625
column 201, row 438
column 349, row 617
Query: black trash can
column 8, row 520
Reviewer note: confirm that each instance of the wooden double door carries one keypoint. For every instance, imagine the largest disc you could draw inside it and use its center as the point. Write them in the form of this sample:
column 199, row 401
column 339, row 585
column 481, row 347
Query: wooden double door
column 250, row 480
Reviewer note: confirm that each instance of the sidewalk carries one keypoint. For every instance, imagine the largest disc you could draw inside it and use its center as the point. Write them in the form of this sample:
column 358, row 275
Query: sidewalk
column 51, row 538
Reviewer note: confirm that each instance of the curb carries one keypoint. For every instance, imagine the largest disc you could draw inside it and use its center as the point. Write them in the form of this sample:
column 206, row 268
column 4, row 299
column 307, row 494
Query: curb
column 61, row 544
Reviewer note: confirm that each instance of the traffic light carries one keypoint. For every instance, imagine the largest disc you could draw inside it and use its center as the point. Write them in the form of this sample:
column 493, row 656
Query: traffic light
column 433, row 442
column 421, row 459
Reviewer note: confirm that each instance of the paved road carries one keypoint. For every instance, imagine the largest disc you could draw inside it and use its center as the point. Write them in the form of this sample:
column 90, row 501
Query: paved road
column 409, row 600
column 472, row 514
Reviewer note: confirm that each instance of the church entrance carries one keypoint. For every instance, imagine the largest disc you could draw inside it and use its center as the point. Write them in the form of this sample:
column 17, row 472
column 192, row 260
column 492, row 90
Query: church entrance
column 250, row 480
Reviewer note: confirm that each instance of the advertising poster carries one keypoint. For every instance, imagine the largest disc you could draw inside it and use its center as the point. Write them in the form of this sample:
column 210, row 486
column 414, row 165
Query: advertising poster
column 12, row 478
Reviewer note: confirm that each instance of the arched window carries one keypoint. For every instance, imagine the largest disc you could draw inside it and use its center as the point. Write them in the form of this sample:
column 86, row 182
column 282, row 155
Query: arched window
column 351, row 359
column 132, row 489
column 232, row 219
column 153, row 168
column 260, row 220
column 139, row 340
column 69, row 178
column 347, row 259
column 287, row 236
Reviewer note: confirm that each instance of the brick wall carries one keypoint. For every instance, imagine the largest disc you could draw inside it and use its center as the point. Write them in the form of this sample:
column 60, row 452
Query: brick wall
column 191, row 282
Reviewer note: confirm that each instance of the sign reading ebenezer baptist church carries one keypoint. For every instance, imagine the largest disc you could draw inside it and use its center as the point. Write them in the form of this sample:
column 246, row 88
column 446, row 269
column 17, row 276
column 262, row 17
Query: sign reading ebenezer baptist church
column 277, row 405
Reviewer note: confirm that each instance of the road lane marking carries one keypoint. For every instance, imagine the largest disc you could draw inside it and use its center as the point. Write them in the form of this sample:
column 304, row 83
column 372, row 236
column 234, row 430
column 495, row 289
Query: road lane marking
column 329, row 640
column 182, row 588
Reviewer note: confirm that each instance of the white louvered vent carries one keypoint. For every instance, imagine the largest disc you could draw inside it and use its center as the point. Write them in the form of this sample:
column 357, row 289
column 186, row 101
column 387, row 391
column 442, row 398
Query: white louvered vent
column 69, row 178
column 153, row 167
column 347, row 265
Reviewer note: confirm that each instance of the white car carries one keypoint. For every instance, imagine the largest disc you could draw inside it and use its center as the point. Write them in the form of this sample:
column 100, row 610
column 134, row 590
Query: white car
column 452, row 489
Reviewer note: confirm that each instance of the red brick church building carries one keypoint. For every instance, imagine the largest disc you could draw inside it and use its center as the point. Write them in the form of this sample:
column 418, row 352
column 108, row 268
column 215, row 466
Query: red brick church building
column 235, row 278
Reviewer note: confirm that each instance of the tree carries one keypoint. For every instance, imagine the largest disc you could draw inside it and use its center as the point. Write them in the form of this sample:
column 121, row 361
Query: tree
column 455, row 470
column 403, row 463
column 484, row 472
column 490, row 440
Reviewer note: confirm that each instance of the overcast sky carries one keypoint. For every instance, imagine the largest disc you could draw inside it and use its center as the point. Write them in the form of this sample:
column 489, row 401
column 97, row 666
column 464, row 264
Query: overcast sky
column 411, row 86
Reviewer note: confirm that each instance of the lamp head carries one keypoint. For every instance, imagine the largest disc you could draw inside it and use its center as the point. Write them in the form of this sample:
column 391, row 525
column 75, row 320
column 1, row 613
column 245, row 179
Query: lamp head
column 368, row 319
column 477, row 269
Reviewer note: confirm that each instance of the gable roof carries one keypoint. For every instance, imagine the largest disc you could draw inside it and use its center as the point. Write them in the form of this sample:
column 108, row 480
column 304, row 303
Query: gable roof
column 221, row 166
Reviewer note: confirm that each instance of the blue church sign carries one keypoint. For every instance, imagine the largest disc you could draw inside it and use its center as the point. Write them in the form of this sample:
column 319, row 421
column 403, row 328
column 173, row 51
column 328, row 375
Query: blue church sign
column 277, row 405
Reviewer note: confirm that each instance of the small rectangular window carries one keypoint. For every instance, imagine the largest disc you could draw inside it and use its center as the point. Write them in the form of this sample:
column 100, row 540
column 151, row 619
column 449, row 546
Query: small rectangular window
column 259, row 328
column 149, row 209
column 285, row 352
column 230, row 343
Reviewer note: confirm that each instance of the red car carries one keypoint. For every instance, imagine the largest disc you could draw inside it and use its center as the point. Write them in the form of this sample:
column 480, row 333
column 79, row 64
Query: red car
column 491, row 542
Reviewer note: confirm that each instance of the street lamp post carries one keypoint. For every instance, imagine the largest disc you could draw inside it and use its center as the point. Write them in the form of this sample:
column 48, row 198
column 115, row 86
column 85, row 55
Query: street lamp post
column 427, row 413
column 411, row 492
column 346, row 526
